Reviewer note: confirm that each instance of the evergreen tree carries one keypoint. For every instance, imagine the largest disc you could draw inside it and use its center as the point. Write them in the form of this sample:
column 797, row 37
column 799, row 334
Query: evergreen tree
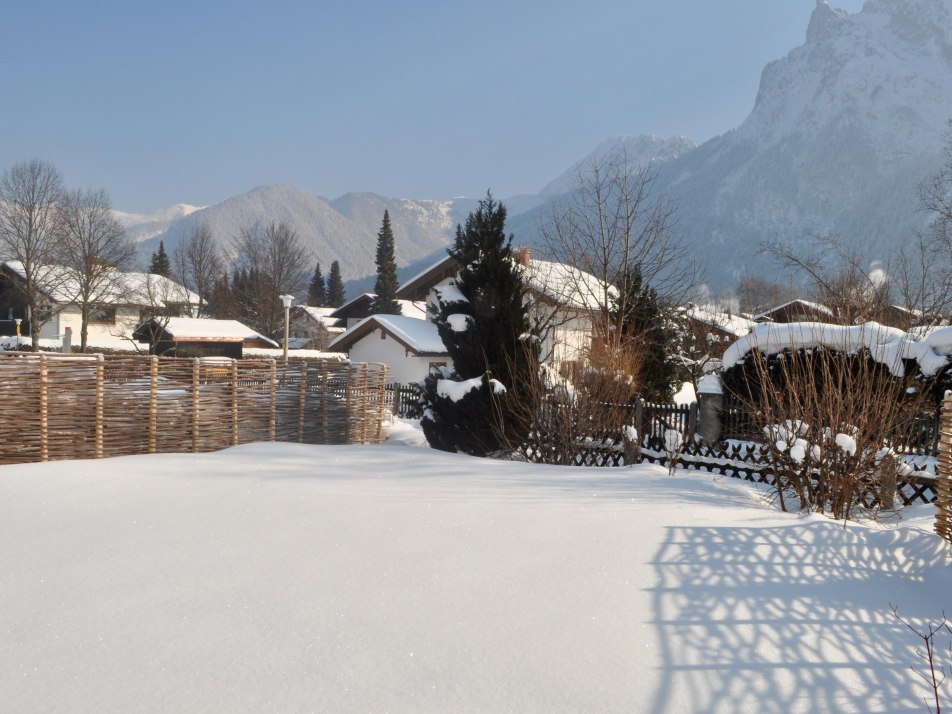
column 161, row 265
column 222, row 302
column 386, row 286
column 317, row 291
column 335, row 287
column 645, row 323
column 484, row 324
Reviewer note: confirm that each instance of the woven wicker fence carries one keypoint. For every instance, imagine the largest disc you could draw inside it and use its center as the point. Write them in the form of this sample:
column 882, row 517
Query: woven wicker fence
column 59, row 407
column 943, row 500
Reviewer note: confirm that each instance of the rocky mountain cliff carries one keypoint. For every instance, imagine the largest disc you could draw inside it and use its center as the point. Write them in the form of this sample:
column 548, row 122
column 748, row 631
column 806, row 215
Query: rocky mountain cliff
column 843, row 130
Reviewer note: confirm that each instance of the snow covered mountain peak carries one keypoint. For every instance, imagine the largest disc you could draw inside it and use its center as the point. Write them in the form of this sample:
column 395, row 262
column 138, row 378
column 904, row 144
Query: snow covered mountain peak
column 824, row 21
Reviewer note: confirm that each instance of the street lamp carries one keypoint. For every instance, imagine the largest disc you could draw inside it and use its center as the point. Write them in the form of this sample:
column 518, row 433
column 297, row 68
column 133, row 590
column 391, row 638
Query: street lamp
column 287, row 300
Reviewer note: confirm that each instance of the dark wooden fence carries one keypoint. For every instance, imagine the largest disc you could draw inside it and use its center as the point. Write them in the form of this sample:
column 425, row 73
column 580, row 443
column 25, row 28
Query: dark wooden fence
column 406, row 400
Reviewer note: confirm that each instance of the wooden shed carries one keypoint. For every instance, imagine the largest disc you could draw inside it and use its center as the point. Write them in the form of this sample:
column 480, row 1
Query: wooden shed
column 197, row 337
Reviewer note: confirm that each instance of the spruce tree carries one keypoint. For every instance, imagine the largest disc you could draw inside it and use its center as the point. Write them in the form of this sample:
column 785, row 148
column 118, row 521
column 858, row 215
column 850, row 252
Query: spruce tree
column 317, row 291
column 386, row 286
column 161, row 265
column 645, row 323
column 483, row 321
column 335, row 287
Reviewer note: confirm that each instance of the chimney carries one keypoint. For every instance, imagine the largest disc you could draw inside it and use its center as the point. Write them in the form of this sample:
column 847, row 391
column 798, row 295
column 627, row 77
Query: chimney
column 522, row 256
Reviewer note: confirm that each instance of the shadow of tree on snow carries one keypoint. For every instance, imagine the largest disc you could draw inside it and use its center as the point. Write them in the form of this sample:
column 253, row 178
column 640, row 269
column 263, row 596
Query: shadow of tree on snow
column 792, row 618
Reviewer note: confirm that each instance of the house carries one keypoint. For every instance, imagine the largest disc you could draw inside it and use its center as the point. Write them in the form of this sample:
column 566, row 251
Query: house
column 197, row 337
column 714, row 330
column 313, row 327
column 121, row 305
column 797, row 311
column 407, row 345
column 562, row 299
column 356, row 309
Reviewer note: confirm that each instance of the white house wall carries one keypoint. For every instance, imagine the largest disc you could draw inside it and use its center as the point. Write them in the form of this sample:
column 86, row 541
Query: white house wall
column 403, row 367
column 127, row 319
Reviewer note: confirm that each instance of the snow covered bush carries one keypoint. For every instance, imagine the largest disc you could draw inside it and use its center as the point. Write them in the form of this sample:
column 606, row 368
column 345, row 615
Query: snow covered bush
column 482, row 319
column 830, row 419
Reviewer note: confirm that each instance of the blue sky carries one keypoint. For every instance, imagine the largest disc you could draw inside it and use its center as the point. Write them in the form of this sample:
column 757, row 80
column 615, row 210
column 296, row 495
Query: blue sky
column 193, row 102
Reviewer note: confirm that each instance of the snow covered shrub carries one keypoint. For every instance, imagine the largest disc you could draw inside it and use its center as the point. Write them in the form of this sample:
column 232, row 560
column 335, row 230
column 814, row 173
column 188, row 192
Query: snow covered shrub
column 483, row 321
column 830, row 419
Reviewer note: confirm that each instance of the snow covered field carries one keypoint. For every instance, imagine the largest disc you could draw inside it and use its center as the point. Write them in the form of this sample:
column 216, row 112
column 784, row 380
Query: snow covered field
column 292, row 578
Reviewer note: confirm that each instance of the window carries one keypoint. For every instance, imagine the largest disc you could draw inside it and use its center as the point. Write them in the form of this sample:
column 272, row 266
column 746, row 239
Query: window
column 102, row 315
column 438, row 364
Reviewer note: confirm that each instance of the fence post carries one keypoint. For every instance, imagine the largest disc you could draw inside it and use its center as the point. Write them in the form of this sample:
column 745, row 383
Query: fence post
column 710, row 403
column 153, row 402
column 640, row 418
column 692, row 420
column 100, row 403
column 44, row 410
column 301, row 400
column 273, row 401
column 234, row 402
column 943, row 491
column 196, row 401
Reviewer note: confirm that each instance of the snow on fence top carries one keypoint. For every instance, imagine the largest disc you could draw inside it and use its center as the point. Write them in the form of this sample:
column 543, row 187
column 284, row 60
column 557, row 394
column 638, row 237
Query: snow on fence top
column 887, row 345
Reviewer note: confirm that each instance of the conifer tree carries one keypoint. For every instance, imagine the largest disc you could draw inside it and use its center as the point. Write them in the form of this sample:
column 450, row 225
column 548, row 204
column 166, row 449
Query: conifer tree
column 483, row 320
column 161, row 265
column 644, row 322
column 386, row 286
column 335, row 287
column 317, row 291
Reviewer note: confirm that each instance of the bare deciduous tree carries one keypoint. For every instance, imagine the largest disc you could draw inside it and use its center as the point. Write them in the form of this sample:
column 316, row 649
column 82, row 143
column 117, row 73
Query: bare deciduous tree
column 197, row 263
column 616, row 228
column 29, row 195
column 94, row 250
column 276, row 264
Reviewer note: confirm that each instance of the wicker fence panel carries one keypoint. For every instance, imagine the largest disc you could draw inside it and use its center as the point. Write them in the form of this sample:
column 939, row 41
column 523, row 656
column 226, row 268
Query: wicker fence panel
column 67, row 407
column 943, row 500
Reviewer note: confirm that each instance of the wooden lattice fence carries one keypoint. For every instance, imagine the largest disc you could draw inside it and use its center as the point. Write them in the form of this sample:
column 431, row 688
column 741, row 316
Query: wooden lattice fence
column 69, row 407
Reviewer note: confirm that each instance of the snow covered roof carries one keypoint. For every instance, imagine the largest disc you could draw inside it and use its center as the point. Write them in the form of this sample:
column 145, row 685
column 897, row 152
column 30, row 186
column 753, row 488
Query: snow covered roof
column 731, row 324
column 417, row 287
column 567, row 285
column 60, row 285
column 887, row 345
column 418, row 336
column 806, row 305
column 361, row 306
column 563, row 284
column 195, row 328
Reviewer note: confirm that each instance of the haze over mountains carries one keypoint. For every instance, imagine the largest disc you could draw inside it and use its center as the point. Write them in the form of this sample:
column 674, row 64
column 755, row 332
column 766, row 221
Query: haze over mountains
column 843, row 130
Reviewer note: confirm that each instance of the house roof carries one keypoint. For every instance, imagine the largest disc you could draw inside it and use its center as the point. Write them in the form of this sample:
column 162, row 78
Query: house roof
column 568, row 286
column 417, row 287
column 731, row 324
column 360, row 307
column 812, row 307
column 195, row 329
column 563, row 284
column 320, row 315
column 59, row 283
column 419, row 336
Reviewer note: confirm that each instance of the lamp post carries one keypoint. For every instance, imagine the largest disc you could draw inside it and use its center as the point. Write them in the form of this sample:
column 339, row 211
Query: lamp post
column 287, row 300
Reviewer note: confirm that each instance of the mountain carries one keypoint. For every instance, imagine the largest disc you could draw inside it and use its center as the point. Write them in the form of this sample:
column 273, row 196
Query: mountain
column 142, row 226
column 643, row 150
column 843, row 130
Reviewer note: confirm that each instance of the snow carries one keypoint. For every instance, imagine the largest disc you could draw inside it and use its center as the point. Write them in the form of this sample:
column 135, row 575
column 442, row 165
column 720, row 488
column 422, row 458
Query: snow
column 290, row 577
column 686, row 394
column 887, row 345
column 733, row 324
column 710, row 384
column 846, row 443
column 457, row 390
column 449, row 293
column 421, row 336
column 458, row 322
column 567, row 285
column 198, row 328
